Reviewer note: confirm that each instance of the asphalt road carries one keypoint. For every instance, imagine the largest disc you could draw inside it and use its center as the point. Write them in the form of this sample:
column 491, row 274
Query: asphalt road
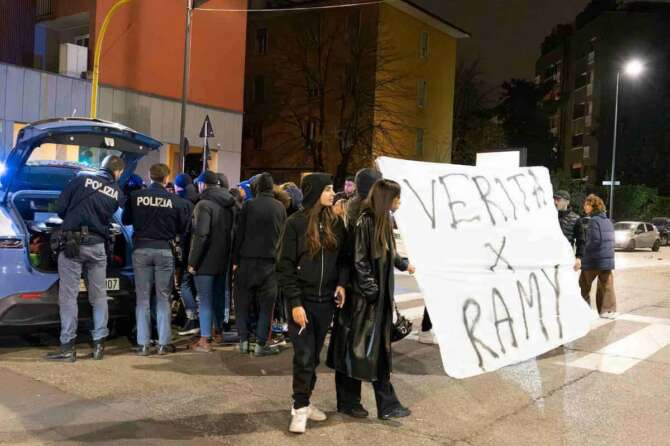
column 611, row 387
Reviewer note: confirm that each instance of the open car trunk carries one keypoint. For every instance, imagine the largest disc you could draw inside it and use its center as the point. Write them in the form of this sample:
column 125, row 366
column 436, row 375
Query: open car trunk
column 37, row 210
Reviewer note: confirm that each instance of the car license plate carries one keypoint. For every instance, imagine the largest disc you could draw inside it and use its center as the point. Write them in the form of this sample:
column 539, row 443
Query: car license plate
column 111, row 284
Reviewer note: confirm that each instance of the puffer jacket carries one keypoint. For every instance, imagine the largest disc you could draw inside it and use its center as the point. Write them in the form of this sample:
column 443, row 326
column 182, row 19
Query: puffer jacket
column 599, row 247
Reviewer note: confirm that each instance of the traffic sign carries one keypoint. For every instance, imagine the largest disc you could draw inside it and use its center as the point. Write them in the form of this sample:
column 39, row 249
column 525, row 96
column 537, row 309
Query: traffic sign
column 207, row 131
column 609, row 183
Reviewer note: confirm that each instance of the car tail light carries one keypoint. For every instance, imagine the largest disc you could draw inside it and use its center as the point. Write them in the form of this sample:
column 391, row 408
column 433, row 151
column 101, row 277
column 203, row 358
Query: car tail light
column 29, row 296
column 11, row 243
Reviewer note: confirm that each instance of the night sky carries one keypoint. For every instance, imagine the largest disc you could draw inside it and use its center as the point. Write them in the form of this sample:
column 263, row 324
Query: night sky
column 506, row 34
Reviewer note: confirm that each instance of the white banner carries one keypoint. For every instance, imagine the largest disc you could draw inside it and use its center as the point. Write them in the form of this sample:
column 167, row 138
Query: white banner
column 492, row 263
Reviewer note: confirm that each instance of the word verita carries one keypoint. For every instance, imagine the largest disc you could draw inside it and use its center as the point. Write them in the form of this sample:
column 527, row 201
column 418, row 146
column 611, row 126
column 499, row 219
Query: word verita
column 504, row 198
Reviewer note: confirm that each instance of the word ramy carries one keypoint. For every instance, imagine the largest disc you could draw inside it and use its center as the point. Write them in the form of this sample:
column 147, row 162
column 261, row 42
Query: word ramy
column 99, row 186
column 504, row 307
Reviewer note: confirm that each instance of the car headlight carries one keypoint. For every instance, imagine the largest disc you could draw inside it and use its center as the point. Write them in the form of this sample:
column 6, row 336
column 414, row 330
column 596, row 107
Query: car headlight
column 620, row 237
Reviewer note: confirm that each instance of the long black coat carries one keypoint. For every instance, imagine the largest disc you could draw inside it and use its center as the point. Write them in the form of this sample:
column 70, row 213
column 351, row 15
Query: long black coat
column 362, row 329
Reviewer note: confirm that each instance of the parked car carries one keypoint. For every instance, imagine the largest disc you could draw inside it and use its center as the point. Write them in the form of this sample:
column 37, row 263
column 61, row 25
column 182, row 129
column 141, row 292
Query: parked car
column 46, row 156
column 631, row 235
column 663, row 226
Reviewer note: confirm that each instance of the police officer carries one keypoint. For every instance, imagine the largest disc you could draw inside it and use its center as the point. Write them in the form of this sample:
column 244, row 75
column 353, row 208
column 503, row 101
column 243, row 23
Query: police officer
column 86, row 206
column 157, row 216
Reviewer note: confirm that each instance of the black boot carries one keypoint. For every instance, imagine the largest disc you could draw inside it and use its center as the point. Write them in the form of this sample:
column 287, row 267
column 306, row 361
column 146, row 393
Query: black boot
column 67, row 353
column 98, row 350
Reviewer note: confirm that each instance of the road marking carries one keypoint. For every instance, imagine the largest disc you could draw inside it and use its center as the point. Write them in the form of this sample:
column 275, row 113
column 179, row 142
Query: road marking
column 643, row 319
column 618, row 357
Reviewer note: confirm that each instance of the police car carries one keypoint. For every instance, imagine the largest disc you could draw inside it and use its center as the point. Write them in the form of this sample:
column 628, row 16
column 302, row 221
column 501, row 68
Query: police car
column 46, row 156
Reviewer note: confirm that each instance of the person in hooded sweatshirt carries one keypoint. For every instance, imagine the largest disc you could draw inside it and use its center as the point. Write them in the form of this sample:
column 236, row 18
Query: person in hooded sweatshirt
column 211, row 242
column 313, row 273
column 257, row 237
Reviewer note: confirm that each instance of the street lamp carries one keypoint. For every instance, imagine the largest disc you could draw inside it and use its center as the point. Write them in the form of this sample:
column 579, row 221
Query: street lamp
column 633, row 68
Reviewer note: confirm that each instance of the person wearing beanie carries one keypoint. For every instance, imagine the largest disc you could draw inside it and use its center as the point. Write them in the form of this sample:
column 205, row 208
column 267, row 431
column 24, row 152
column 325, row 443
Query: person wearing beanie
column 364, row 180
column 183, row 186
column 571, row 225
column 313, row 273
column 211, row 242
column 245, row 190
column 296, row 197
column 257, row 237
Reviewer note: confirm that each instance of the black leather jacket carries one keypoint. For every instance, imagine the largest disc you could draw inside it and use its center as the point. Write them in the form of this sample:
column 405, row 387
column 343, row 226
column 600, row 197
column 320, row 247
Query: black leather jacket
column 362, row 329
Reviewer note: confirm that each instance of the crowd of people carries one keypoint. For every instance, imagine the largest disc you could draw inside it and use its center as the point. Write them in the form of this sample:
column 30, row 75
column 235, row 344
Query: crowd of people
column 309, row 258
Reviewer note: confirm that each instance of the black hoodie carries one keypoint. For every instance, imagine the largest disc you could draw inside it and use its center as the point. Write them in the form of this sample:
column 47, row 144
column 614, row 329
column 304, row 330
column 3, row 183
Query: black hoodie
column 304, row 277
column 260, row 223
column 211, row 239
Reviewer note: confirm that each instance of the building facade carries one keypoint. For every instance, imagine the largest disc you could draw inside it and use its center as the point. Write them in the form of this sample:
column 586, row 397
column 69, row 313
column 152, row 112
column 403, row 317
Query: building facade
column 140, row 74
column 334, row 89
column 582, row 61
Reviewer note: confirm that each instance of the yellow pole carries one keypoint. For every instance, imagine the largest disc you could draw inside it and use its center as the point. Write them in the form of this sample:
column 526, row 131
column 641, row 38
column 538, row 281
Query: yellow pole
column 98, row 50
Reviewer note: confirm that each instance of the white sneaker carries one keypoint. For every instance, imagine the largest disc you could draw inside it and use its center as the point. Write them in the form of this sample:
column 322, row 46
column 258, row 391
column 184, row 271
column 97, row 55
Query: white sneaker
column 427, row 337
column 316, row 414
column 609, row 315
column 299, row 420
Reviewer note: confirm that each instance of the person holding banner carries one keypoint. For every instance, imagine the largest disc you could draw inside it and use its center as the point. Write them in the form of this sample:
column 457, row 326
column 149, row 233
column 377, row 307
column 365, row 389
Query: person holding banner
column 360, row 348
column 313, row 272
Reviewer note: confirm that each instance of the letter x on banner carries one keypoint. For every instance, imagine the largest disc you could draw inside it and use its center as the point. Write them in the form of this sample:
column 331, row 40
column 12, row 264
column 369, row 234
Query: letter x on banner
column 492, row 263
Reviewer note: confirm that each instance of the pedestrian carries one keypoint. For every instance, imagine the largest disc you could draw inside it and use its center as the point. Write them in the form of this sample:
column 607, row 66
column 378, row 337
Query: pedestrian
column 185, row 281
column 221, row 302
column 312, row 267
column 170, row 188
column 349, row 187
column 158, row 217
column 296, row 197
column 365, row 178
column 135, row 182
column 245, row 190
column 571, row 225
column 87, row 206
column 257, row 237
column 598, row 259
column 211, row 242
column 183, row 186
column 360, row 348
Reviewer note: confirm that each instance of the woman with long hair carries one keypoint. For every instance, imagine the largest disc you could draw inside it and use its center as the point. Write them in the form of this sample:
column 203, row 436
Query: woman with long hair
column 360, row 348
column 598, row 258
column 313, row 273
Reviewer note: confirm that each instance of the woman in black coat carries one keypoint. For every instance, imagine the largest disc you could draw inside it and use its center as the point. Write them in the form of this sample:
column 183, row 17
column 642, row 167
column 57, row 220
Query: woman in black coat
column 360, row 347
column 313, row 273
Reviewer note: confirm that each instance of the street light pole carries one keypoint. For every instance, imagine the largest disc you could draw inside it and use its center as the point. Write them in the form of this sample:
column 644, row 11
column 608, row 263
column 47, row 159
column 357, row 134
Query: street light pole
column 616, row 125
column 184, row 90
column 98, row 53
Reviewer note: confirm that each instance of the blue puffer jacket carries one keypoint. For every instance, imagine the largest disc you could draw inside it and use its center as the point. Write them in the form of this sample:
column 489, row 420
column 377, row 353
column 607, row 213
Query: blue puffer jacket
column 599, row 248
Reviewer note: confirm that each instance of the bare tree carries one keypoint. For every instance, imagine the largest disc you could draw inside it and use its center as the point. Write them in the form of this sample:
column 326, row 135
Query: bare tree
column 337, row 82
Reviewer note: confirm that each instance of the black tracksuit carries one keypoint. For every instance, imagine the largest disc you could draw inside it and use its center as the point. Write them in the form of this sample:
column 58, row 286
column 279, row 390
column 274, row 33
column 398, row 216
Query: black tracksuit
column 257, row 237
column 310, row 281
